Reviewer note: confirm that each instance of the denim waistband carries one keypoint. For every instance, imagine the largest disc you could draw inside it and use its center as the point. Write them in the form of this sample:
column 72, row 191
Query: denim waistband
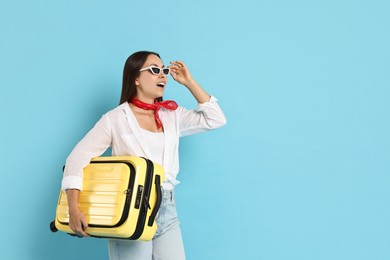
column 168, row 194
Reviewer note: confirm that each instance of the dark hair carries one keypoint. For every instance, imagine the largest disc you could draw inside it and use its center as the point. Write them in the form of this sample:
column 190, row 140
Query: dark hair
column 132, row 66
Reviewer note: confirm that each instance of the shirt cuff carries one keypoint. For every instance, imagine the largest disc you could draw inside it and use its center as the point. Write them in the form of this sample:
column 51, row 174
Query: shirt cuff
column 200, row 106
column 72, row 182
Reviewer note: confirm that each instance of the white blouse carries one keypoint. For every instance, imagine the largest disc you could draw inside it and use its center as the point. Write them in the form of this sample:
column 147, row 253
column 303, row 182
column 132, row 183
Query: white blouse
column 155, row 142
column 120, row 130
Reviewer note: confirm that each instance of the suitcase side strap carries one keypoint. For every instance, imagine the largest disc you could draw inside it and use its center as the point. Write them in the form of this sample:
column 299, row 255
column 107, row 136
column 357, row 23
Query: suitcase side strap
column 158, row 202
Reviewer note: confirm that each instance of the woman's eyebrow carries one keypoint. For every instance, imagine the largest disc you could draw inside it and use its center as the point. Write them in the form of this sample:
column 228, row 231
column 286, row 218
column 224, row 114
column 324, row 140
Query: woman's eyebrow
column 157, row 65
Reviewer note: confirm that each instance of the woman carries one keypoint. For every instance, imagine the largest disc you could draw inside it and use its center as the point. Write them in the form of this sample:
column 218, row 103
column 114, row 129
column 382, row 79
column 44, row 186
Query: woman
column 142, row 126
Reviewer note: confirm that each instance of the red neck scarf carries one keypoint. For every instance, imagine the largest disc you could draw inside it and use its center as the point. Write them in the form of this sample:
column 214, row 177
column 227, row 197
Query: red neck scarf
column 168, row 104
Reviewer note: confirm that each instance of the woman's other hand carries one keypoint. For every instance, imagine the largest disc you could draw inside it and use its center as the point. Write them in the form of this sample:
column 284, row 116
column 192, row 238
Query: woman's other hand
column 77, row 221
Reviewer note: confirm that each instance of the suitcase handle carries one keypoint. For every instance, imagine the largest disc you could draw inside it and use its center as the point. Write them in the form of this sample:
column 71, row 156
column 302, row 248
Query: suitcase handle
column 158, row 202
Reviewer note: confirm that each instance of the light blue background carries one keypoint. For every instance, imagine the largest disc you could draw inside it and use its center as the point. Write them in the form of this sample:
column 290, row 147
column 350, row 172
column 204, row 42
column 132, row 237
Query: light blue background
column 301, row 170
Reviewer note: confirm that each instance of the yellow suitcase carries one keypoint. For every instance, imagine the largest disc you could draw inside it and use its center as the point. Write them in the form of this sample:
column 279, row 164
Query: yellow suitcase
column 120, row 198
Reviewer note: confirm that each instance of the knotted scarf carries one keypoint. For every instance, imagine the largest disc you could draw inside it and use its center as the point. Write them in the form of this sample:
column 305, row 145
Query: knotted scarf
column 168, row 104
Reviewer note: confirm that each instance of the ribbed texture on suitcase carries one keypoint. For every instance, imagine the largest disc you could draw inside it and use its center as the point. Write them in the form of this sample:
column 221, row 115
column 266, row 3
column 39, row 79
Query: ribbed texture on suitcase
column 104, row 194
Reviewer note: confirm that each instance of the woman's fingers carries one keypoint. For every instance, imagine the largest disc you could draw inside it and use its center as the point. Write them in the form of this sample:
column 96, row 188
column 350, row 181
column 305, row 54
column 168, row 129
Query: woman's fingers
column 84, row 227
column 180, row 72
column 177, row 65
column 80, row 231
column 78, row 224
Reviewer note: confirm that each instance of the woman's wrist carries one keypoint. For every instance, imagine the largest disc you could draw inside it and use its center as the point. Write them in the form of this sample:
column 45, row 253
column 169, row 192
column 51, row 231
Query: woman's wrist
column 197, row 91
column 73, row 200
column 191, row 83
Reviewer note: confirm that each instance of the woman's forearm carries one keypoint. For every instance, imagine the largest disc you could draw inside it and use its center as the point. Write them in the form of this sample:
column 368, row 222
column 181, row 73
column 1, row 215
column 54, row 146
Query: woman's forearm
column 198, row 92
column 73, row 199
column 77, row 221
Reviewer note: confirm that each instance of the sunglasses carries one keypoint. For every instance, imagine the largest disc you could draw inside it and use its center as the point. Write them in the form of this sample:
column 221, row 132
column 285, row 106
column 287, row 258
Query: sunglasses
column 156, row 70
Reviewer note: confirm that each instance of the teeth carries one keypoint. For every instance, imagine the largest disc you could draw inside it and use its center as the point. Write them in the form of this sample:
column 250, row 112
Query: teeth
column 161, row 84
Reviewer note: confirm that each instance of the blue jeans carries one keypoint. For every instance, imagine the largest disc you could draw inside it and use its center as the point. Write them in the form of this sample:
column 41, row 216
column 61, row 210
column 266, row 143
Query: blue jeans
column 167, row 243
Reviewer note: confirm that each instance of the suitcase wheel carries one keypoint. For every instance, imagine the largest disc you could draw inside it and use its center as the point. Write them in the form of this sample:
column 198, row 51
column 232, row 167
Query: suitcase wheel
column 53, row 227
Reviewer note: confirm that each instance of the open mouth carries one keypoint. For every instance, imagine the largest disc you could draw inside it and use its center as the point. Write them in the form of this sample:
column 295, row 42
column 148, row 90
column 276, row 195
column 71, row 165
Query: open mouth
column 161, row 84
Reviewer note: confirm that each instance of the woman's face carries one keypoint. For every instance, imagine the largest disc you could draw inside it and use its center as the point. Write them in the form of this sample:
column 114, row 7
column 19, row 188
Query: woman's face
column 150, row 86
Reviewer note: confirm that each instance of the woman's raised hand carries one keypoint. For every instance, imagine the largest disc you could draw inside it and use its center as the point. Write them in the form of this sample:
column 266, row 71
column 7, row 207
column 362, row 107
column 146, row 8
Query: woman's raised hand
column 180, row 73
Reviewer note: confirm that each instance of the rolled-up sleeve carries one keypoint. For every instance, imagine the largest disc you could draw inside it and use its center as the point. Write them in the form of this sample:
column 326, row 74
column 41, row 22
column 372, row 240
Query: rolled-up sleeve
column 96, row 141
column 205, row 117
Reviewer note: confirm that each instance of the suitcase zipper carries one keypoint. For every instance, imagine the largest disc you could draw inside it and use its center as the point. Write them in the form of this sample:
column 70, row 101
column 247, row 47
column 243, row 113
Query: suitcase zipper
column 145, row 200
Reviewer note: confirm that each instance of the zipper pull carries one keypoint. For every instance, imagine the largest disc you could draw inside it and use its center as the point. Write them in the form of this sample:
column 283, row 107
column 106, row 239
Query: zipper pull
column 128, row 195
column 146, row 203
